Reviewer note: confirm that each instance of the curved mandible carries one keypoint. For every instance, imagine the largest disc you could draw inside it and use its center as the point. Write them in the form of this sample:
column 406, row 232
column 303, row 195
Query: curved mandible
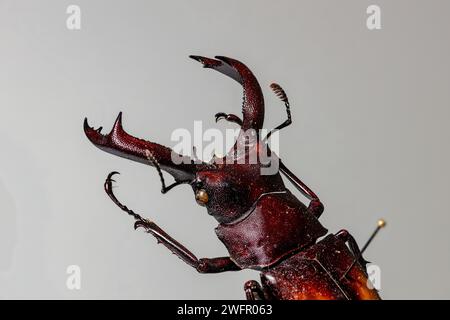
column 118, row 142
column 253, row 100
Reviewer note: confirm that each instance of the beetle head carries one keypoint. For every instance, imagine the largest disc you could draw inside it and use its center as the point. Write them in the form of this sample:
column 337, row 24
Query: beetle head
column 228, row 187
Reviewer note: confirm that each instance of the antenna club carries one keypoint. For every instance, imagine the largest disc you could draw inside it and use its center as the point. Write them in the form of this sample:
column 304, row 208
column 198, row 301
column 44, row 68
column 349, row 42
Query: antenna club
column 381, row 223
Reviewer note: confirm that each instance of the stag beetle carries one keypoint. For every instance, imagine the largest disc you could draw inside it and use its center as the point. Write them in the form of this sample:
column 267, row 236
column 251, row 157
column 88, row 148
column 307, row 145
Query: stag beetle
column 261, row 223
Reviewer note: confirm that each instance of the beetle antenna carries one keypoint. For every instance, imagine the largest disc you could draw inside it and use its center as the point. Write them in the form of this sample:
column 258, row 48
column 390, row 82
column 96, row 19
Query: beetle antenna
column 155, row 163
column 281, row 94
column 380, row 224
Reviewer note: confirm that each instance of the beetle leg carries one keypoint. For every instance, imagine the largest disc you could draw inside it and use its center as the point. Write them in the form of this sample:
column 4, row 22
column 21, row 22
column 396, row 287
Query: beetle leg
column 229, row 117
column 315, row 206
column 204, row 265
column 216, row 265
column 253, row 290
column 346, row 237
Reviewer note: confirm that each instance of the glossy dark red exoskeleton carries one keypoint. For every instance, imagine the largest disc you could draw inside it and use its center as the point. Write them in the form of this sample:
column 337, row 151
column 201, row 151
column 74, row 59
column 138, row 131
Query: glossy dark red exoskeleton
column 261, row 223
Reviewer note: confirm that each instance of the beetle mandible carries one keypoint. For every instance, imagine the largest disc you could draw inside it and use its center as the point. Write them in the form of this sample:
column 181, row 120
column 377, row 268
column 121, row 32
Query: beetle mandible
column 261, row 223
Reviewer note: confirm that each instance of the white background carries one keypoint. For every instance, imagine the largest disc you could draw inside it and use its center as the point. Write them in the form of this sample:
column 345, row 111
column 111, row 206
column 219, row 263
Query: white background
column 370, row 135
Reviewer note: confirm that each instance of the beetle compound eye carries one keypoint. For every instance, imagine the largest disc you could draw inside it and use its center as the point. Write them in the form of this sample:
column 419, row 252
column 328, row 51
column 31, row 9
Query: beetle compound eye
column 201, row 196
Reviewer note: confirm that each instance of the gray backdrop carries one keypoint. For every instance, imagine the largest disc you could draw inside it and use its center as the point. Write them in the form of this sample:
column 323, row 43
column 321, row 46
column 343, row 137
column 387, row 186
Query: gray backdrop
column 370, row 135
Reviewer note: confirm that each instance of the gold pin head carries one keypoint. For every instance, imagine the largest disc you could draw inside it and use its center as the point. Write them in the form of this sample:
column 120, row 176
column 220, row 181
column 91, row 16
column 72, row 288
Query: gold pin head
column 381, row 223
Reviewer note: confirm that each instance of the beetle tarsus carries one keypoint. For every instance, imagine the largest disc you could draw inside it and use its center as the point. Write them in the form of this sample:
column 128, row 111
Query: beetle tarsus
column 228, row 117
column 151, row 227
column 205, row 265
column 109, row 191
